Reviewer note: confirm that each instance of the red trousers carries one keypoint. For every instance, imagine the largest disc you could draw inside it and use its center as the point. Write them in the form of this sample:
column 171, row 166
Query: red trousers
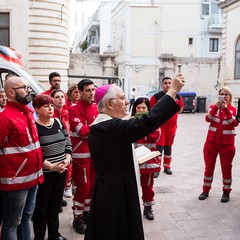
column 83, row 175
column 147, row 181
column 165, row 145
column 226, row 154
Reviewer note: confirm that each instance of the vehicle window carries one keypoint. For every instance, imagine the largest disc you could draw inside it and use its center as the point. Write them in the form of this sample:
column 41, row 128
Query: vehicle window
column 3, row 74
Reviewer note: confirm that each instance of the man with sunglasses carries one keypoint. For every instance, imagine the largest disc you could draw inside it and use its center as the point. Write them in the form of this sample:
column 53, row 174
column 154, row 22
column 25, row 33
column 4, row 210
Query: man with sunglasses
column 20, row 160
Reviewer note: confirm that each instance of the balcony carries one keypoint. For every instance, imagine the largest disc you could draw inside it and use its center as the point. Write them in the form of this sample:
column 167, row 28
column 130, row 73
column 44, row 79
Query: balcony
column 93, row 44
column 215, row 23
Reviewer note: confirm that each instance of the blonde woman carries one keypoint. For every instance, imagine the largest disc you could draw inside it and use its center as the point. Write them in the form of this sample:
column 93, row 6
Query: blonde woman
column 220, row 141
column 73, row 95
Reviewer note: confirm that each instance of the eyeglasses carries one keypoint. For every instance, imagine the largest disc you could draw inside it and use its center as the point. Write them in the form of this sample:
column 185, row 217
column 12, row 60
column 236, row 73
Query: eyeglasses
column 225, row 94
column 25, row 87
column 123, row 98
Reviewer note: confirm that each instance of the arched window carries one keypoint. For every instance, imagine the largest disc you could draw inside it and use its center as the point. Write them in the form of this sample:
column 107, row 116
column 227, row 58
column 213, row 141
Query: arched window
column 237, row 60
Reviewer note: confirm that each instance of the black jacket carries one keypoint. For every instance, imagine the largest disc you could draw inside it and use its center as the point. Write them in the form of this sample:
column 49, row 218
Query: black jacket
column 115, row 210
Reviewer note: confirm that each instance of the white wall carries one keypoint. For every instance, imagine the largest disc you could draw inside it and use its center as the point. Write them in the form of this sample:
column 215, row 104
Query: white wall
column 18, row 25
column 231, row 33
column 48, row 40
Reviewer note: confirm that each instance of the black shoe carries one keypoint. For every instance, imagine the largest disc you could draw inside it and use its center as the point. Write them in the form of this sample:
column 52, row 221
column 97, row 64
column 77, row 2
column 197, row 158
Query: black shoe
column 148, row 213
column 60, row 237
column 168, row 171
column 64, row 203
column 203, row 196
column 78, row 224
column 85, row 217
column 60, row 210
column 156, row 174
column 225, row 197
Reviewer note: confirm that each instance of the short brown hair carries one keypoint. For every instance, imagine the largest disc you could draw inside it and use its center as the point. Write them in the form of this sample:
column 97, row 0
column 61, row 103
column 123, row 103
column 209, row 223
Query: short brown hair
column 41, row 100
column 56, row 91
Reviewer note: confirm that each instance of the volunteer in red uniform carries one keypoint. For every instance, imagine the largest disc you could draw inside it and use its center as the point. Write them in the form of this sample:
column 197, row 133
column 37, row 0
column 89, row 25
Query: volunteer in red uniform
column 220, row 141
column 168, row 129
column 81, row 116
column 3, row 98
column 54, row 81
column 20, row 160
column 73, row 95
column 140, row 107
column 61, row 112
column 60, row 109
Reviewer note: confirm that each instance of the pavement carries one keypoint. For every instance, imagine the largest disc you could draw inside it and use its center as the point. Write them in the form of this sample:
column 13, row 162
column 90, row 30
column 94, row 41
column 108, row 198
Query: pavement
column 179, row 215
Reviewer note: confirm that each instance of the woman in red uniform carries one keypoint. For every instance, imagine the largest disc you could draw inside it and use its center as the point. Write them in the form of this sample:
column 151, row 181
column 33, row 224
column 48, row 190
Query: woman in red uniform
column 220, row 141
column 142, row 106
column 73, row 95
column 61, row 112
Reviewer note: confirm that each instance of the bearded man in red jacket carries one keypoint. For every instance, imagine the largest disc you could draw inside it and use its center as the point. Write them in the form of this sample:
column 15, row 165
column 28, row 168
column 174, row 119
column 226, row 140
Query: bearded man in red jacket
column 20, row 160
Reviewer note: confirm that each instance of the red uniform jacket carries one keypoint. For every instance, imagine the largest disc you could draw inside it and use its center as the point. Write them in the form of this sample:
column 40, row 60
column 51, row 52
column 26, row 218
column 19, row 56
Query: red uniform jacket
column 81, row 116
column 69, row 103
column 49, row 91
column 63, row 116
column 222, row 124
column 20, row 151
column 172, row 122
column 153, row 165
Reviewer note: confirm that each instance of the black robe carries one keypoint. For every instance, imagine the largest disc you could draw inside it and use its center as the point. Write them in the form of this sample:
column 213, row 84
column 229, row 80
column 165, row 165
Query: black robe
column 115, row 210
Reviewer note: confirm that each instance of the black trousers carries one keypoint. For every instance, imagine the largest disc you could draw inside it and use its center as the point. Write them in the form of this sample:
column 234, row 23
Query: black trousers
column 1, row 209
column 131, row 102
column 48, row 203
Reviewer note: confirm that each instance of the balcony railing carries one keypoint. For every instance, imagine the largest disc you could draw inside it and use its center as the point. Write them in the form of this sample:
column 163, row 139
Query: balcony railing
column 215, row 23
column 93, row 43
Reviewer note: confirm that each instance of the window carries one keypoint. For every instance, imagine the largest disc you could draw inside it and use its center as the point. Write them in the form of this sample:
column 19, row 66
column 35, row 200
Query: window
column 190, row 41
column 4, row 29
column 205, row 8
column 213, row 45
column 215, row 8
column 237, row 60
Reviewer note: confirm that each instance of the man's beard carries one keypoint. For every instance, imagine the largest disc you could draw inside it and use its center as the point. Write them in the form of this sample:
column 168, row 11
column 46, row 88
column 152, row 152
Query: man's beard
column 24, row 100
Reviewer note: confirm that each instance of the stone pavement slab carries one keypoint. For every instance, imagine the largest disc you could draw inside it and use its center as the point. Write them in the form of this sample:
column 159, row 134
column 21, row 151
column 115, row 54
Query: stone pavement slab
column 179, row 215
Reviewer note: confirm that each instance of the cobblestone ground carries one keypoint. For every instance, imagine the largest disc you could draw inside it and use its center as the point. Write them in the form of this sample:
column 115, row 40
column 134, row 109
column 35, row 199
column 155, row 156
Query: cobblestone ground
column 179, row 215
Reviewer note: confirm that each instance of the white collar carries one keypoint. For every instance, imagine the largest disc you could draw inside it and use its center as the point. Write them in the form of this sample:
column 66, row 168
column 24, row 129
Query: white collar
column 102, row 117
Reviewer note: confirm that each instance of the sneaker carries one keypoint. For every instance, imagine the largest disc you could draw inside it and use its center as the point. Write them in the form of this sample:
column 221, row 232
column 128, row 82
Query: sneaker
column 225, row 197
column 68, row 192
column 203, row 196
column 148, row 213
column 60, row 237
column 64, row 203
column 79, row 225
column 168, row 171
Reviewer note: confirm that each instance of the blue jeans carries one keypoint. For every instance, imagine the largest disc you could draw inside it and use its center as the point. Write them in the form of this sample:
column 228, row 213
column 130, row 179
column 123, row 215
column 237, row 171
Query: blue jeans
column 18, row 208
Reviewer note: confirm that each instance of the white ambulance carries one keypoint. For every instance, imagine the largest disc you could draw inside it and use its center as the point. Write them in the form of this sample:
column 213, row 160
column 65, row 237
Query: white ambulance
column 11, row 62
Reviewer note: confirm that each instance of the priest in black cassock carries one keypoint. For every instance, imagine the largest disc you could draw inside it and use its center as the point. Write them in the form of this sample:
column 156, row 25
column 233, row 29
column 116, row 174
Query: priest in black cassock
column 115, row 212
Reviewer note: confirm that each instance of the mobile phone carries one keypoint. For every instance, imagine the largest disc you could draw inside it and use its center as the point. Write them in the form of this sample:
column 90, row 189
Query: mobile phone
column 220, row 97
